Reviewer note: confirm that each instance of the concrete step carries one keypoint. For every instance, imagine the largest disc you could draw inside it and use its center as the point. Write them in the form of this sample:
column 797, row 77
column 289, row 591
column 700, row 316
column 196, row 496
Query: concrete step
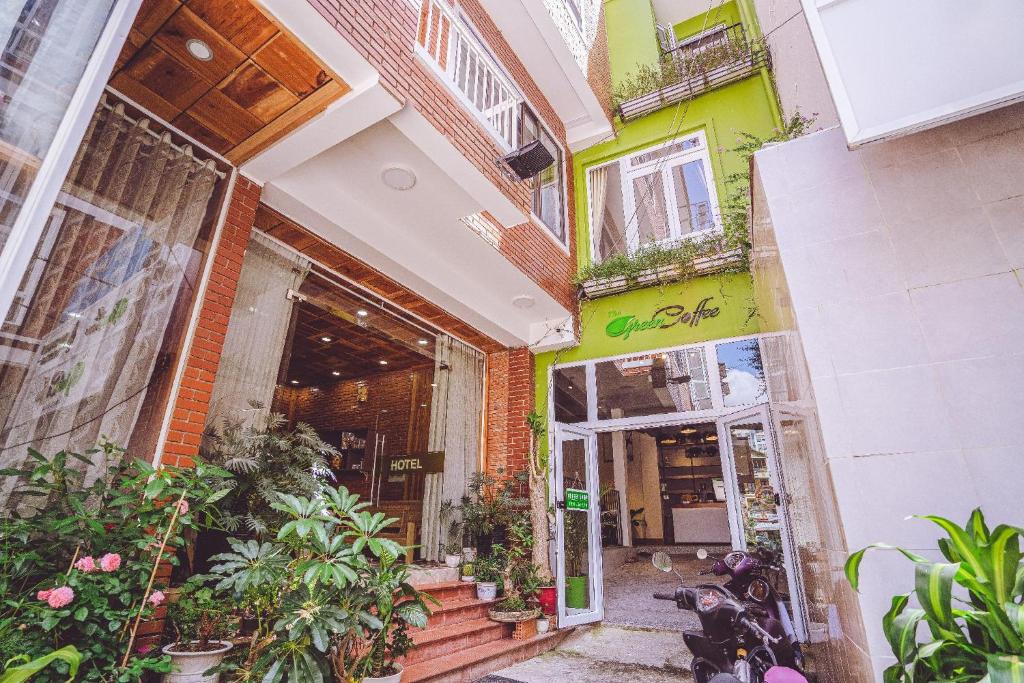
column 449, row 591
column 458, row 611
column 476, row 662
column 444, row 641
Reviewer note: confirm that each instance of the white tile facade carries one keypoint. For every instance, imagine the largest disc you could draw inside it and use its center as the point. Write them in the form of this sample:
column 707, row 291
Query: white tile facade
column 904, row 262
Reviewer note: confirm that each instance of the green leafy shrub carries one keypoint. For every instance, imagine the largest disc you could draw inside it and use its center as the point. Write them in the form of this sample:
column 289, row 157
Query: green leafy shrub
column 74, row 570
column 199, row 618
column 972, row 606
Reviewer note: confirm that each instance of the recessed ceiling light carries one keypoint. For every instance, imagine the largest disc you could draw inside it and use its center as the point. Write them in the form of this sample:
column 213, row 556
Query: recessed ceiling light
column 295, row 381
column 711, row 437
column 423, row 405
column 383, row 362
column 362, row 313
column 325, row 339
column 688, row 430
column 399, row 178
column 199, row 49
column 523, row 301
column 335, row 373
column 667, row 442
column 422, row 342
column 433, row 384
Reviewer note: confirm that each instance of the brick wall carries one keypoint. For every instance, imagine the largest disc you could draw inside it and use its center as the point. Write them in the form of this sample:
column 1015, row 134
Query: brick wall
column 510, row 386
column 192, row 402
column 384, row 32
column 599, row 67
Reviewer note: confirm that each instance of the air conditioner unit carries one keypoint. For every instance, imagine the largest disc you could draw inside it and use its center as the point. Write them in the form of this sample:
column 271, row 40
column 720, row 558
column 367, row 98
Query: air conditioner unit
column 529, row 160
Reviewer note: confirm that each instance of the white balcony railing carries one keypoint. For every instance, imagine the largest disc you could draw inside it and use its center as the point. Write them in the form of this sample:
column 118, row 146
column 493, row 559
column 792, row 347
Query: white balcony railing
column 449, row 45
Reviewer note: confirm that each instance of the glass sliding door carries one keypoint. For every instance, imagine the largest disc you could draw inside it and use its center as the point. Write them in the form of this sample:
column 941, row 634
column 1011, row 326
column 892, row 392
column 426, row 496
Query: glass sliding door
column 759, row 516
column 578, row 528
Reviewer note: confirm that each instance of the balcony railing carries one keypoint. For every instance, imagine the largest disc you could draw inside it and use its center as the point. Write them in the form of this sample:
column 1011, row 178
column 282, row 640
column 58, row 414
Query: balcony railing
column 716, row 58
column 451, row 48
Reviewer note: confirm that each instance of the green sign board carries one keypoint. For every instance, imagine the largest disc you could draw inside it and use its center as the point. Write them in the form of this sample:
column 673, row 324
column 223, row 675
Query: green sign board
column 623, row 325
column 576, row 499
column 427, row 463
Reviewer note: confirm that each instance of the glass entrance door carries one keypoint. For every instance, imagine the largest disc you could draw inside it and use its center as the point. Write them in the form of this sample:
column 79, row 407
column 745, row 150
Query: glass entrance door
column 758, row 500
column 577, row 527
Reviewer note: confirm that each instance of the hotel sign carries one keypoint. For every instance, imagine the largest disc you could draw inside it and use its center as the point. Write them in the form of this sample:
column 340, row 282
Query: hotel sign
column 427, row 463
column 624, row 325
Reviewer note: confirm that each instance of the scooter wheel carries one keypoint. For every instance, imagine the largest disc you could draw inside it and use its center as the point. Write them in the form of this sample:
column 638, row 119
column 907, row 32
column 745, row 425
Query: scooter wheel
column 703, row 670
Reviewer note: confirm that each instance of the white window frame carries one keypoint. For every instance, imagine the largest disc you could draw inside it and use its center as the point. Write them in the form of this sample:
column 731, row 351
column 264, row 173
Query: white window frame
column 664, row 166
column 562, row 242
column 27, row 230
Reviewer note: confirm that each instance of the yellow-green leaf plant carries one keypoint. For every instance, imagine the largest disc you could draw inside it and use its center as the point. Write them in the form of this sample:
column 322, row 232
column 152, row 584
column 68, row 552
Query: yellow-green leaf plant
column 969, row 626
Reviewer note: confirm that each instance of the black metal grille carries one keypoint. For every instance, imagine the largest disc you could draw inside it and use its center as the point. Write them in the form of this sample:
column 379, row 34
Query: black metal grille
column 715, row 59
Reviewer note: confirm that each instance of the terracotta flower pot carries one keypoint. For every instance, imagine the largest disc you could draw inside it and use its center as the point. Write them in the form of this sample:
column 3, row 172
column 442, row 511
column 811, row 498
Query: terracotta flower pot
column 189, row 666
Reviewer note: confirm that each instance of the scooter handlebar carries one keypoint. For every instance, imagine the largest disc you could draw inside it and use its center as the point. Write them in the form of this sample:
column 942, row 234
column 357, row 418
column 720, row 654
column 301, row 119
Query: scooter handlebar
column 665, row 596
column 756, row 628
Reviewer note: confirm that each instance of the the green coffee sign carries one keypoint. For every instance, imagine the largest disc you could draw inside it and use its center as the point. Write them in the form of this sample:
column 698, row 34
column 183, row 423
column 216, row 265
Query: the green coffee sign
column 623, row 325
column 575, row 499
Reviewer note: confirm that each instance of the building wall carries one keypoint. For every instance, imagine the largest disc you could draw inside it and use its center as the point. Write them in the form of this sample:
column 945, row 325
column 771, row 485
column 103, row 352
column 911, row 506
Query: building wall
column 384, row 32
column 509, row 401
column 902, row 263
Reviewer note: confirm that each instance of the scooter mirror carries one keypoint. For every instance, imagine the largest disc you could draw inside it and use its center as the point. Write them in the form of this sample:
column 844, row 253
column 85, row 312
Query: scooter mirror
column 662, row 561
column 702, row 554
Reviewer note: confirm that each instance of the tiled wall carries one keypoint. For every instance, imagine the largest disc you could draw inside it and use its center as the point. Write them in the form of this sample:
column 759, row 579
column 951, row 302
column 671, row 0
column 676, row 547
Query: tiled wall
column 900, row 265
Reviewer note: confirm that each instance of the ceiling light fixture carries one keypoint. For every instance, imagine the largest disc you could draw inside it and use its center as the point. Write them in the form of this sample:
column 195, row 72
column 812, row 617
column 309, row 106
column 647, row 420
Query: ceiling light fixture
column 335, row 373
column 362, row 313
column 399, row 178
column 668, row 442
column 523, row 301
column 711, row 437
column 325, row 339
column 199, row 49
column 295, row 381
column 422, row 342
column 383, row 362
column 688, row 430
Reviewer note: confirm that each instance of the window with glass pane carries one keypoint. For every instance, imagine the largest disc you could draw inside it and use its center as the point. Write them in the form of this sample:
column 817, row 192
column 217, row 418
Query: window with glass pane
column 692, row 199
column 653, row 384
column 651, row 214
column 607, row 219
column 88, row 350
column 579, row 587
column 570, row 394
column 742, row 373
column 46, row 46
column 547, row 186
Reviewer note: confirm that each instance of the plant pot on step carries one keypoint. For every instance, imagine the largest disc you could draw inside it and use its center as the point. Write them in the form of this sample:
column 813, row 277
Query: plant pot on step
column 486, row 590
column 548, row 598
column 189, row 666
column 452, row 561
column 543, row 625
column 576, row 592
column 513, row 617
column 469, row 579
column 393, row 678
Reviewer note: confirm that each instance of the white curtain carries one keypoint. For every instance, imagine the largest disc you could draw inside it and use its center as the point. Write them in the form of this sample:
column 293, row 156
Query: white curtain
column 257, row 330
column 598, row 199
column 119, row 257
column 455, row 427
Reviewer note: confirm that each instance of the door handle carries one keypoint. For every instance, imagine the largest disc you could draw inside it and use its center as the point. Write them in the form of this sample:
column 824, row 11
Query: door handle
column 560, row 504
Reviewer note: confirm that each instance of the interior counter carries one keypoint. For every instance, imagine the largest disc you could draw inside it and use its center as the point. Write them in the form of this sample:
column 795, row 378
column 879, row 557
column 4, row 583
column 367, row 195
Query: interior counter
column 701, row 523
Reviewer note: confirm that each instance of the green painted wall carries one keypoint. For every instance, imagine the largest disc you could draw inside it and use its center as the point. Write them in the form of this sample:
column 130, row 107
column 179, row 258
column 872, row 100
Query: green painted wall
column 632, row 38
column 727, row 13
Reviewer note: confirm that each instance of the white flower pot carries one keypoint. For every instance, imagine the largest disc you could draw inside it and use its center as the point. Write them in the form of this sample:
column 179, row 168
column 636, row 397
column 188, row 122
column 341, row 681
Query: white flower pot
column 469, row 579
column 543, row 625
column 393, row 678
column 189, row 666
column 486, row 590
column 452, row 561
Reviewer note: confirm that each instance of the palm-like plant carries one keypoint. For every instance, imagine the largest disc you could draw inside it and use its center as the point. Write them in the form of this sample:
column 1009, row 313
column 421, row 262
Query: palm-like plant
column 973, row 605
column 266, row 458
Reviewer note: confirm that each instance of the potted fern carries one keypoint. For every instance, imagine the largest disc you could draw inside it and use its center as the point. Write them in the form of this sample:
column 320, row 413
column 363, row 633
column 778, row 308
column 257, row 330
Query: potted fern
column 972, row 605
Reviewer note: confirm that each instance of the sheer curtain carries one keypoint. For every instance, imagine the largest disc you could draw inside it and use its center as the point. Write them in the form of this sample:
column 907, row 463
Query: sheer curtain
column 598, row 198
column 455, row 428
column 257, row 329
column 90, row 330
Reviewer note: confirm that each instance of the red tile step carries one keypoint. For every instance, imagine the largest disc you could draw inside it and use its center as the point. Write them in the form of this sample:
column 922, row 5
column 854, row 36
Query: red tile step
column 470, row 664
column 458, row 611
column 446, row 640
column 449, row 591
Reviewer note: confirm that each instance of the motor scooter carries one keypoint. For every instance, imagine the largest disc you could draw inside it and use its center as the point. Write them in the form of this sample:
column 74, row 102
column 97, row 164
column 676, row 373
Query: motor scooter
column 737, row 638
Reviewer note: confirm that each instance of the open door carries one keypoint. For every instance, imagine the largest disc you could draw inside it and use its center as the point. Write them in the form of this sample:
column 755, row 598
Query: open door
column 758, row 500
column 578, row 573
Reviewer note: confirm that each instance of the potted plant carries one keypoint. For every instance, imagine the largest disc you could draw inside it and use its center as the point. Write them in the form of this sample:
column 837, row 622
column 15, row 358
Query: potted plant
column 520, row 579
column 576, row 589
column 333, row 598
column 488, row 572
column 543, row 624
column 456, row 529
column 467, row 573
column 201, row 622
column 541, row 513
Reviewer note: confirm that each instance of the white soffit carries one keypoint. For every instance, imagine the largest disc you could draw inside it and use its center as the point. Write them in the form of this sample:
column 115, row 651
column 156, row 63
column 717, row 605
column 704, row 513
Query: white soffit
column 895, row 67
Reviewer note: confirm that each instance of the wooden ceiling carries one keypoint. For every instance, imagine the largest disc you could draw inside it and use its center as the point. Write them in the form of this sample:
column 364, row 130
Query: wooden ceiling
column 325, row 253
column 259, row 84
column 355, row 348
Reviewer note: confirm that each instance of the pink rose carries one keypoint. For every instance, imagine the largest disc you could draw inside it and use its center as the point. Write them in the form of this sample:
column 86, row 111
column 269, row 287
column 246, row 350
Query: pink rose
column 156, row 598
column 86, row 564
column 110, row 562
column 182, row 507
column 59, row 597
column 144, row 648
column 43, row 595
